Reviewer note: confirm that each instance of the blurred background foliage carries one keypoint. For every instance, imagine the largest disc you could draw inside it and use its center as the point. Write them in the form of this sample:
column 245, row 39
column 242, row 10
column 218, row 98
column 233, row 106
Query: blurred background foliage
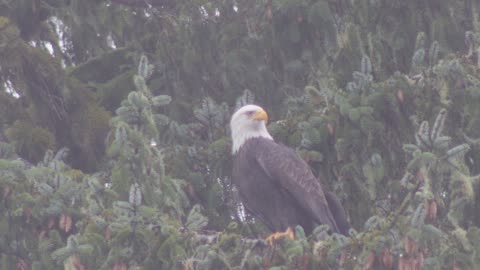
column 115, row 148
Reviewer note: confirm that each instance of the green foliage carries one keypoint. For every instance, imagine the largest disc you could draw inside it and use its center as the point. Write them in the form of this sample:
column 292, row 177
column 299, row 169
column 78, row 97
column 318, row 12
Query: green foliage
column 46, row 199
column 30, row 141
column 379, row 97
column 89, row 129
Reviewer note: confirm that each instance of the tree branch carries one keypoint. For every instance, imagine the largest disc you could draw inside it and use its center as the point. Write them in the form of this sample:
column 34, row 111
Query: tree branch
column 145, row 3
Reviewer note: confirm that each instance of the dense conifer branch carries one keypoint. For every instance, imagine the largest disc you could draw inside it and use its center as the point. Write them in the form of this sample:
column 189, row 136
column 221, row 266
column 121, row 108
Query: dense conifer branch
column 146, row 3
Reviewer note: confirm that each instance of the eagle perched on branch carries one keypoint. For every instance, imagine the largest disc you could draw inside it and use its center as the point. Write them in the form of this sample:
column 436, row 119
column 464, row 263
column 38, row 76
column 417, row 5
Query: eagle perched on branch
column 274, row 183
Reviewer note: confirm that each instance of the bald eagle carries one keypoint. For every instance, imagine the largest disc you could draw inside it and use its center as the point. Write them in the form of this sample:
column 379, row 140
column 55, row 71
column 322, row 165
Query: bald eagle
column 274, row 183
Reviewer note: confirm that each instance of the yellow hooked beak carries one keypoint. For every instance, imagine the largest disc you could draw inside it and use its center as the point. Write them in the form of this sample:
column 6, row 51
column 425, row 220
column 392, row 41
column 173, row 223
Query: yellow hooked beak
column 261, row 115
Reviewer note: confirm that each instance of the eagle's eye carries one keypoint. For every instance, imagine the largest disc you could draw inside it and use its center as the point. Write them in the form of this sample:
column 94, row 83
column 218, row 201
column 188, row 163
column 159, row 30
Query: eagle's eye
column 250, row 113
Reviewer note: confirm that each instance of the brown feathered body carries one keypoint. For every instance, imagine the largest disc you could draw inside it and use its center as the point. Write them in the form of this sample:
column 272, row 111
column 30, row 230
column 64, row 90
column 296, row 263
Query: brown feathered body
column 279, row 188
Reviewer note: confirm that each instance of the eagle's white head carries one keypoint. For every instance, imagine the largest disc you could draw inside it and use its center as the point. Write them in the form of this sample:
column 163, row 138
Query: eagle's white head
column 248, row 122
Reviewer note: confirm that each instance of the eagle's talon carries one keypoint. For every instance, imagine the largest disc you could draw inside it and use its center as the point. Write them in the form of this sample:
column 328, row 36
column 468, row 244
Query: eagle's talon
column 271, row 239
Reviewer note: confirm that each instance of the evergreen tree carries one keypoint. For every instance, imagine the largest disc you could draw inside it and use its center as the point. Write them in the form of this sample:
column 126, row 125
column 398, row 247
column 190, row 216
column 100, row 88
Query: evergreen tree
column 115, row 149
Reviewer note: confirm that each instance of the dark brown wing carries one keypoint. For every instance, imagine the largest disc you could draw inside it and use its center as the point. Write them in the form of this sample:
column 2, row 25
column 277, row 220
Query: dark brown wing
column 338, row 212
column 284, row 165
